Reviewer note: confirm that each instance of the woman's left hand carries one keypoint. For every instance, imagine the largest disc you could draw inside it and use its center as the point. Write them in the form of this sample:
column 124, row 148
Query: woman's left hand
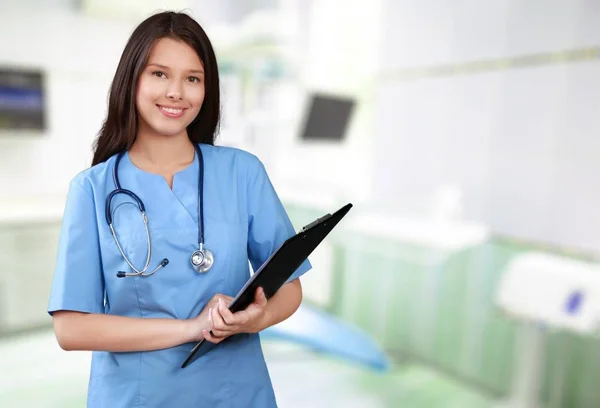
column 225, row 324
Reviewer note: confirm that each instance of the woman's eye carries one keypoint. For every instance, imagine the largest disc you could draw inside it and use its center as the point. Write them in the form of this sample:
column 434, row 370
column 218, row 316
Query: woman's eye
column 194, row 79
column 159, row 74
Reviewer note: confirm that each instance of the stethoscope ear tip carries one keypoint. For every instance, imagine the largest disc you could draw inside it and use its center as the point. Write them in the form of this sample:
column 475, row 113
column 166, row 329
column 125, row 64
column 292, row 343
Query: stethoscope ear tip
column 121, row 274
column 164, row 262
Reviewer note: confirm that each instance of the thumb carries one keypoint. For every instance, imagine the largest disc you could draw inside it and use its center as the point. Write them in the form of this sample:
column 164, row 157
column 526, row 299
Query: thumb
column 260, row 298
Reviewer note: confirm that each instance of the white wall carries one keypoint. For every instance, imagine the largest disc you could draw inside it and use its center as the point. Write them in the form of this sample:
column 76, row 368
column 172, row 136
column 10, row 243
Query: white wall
column 340, row 56
column 78, row 56
column 521, row 143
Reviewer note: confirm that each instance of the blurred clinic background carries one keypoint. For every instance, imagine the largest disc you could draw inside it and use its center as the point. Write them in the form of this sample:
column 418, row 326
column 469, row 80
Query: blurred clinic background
column 465, row 133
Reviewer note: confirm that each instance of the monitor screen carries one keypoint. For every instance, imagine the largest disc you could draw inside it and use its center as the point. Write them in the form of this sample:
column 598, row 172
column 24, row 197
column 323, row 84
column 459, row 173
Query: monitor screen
column 22, row 104
column 327, row 118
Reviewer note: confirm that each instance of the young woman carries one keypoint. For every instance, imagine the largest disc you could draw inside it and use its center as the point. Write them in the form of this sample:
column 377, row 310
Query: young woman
column 139, row 290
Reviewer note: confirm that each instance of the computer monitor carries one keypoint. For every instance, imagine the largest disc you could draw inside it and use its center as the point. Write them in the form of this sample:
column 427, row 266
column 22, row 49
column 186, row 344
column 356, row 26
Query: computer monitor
column 327, row 117
column 22, row 100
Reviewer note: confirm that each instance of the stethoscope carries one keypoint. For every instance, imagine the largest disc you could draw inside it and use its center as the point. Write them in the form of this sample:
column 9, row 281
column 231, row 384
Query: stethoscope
column 202, row 259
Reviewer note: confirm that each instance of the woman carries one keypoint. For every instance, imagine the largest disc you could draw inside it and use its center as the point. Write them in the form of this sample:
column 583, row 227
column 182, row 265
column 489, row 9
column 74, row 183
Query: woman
column 140, row 311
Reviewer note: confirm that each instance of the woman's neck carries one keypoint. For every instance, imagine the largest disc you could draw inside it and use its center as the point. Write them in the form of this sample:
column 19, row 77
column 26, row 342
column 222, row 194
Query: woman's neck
column 162, row 154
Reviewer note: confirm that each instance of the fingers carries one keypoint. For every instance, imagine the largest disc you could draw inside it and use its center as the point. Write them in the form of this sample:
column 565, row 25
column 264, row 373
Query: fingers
column 225, row 313
column 223, row 322
column 211, row 337
column 217, row 324
column 260, row 298
column 215, row 299
column 230, row 319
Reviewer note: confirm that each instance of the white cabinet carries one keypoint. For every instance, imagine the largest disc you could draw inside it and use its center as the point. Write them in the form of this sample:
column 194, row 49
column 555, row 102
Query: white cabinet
column 29, row 233
column 28, row 254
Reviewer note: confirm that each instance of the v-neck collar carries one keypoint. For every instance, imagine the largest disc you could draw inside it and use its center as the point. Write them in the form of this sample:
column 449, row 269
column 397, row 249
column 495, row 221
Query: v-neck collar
column 181, row 200
column 179, row 174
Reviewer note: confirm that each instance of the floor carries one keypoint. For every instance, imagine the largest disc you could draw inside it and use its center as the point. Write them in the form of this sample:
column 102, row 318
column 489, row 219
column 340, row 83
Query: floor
column 326, row 382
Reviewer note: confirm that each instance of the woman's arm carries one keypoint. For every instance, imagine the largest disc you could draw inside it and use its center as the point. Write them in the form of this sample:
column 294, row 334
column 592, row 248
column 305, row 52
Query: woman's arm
column 89, row 331
column 282, row 305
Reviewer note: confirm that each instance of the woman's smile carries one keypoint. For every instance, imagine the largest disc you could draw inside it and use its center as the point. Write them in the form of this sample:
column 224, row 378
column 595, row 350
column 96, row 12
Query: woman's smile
column 171, row 112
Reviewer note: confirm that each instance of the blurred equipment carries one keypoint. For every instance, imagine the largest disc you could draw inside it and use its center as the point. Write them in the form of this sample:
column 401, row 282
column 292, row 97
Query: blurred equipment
column 545, row 291
column 22, row 99
column 328, row 117
column 324, row 333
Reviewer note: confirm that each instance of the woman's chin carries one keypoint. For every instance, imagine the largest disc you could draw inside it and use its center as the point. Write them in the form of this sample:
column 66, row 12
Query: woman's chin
column 169, row 131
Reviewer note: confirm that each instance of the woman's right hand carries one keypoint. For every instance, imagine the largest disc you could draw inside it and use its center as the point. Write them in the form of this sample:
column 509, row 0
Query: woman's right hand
column 202, row 321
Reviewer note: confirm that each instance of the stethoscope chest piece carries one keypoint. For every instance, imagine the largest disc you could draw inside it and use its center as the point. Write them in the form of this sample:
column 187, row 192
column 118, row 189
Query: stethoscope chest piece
column 202, row 260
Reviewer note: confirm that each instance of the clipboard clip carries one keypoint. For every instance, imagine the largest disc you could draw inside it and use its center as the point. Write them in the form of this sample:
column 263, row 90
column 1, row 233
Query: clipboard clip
column 317, row 221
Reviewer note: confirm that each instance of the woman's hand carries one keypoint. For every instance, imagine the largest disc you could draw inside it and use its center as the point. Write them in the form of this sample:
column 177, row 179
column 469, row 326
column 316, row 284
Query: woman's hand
column 197, row 324
column 223, row 323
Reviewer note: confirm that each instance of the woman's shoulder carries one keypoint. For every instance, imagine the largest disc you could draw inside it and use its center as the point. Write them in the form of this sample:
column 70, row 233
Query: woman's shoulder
column 244, row 160
column 91, row 178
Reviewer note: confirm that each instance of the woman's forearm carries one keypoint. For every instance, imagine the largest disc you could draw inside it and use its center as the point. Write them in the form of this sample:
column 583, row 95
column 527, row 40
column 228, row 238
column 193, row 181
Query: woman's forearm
column 283, row 304
column 83, row 331
column 100, row 332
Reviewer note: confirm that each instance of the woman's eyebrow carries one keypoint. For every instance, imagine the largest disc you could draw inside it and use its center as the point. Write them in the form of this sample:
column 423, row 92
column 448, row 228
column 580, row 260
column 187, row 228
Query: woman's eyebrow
column 158, row 65
column 194, row 71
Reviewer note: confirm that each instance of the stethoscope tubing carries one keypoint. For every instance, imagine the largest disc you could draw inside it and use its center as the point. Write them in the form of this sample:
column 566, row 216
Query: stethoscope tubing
column 109, row 219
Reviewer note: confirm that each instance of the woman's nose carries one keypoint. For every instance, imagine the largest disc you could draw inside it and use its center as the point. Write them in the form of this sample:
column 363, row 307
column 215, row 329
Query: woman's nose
column 174, row 92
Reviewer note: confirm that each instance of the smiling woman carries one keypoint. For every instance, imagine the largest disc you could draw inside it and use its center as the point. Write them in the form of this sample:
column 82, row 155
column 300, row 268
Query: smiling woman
column 140, row 291
column 168, row 70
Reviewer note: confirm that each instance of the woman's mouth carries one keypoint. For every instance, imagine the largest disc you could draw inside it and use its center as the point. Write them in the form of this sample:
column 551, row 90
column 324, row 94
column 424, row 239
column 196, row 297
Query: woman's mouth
column 171, row 112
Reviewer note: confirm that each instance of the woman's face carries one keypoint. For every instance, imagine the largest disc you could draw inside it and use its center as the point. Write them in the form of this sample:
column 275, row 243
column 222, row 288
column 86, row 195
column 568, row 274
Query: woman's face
column 170, row 88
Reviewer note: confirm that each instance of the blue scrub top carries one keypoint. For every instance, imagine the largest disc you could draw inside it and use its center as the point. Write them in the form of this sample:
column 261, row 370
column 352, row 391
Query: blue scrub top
column 244, row 220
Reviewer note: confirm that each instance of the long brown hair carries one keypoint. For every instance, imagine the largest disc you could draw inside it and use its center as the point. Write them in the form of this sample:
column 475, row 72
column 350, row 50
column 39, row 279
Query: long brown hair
column 120, row 127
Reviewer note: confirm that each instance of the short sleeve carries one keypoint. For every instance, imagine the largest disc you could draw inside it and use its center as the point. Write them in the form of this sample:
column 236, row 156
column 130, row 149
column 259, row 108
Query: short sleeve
column 78, row 283
column 269, row 225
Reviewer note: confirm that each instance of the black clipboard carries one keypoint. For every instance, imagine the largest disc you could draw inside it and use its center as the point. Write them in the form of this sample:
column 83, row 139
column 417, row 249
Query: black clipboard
column 276, row 270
